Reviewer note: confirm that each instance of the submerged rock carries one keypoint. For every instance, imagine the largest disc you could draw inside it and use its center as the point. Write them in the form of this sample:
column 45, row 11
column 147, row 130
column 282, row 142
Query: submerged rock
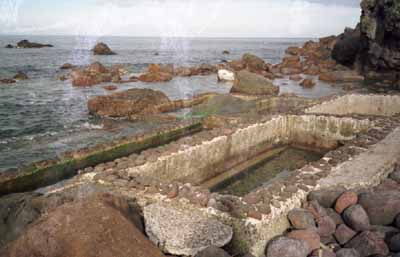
column 98, row 226
column 102, row 49
column 66, row 66
column 130, row 102
column 253, row 84
column 7, row 81
column 20, row 76
column 26, row 44
column 183, row 232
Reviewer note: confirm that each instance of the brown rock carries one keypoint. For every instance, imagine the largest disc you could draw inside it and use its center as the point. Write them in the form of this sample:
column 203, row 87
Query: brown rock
column 325, row 226
column 66, row 66
column 7, row 81
column 341, row 76
column 130, row 102
column 382, row 207
column 315, row 209
column 287, row 247
column 296, row 77
column 346, row 200
column 95, row 227
column 110, row 88
column 155, row 77
column 293, row 50
column 20, row 76
column 236, row 65
column 307, row 83
column 322, row 253
column 102, row 49
column 301, row 219
column 308, row 235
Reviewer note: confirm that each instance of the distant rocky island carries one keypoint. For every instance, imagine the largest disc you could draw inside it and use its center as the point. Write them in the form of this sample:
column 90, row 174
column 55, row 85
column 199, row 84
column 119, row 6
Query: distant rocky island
column 27, row 44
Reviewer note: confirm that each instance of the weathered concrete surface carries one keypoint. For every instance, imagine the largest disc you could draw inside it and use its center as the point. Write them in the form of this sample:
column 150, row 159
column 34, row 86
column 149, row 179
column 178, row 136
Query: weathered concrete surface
column 379, row 105
column 368, row 168
column 199, row 163
column 181, row 231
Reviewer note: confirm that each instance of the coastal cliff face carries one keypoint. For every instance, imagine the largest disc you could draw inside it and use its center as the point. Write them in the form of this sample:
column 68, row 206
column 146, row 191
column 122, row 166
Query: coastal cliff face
column 374, row 45
column 380, row 29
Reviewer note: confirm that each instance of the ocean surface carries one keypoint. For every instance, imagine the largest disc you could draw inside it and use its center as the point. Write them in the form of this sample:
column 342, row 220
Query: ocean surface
column 43, row 117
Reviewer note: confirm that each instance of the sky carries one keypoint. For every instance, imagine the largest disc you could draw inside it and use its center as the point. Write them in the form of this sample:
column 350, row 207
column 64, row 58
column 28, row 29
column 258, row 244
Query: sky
column 179, row 18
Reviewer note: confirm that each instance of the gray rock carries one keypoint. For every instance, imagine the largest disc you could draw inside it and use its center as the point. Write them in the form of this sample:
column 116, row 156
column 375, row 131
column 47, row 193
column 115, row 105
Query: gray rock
column 395, row 175
column 212, row 251
column 253, row 84
column 381, row 207
column 287, row 247
column 394, row 243
column 346, row 252
column 181, row 231
column 326, row 197
column 344, row 234
column 224, row 104
column 384, row 232
column 368, row 243
column 356, row 217
column 326, row 226
column 335, row 216
column 301, row 219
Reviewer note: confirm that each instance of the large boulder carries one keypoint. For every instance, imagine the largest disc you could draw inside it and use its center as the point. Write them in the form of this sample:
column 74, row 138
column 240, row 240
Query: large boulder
column 381, row 207
column 93, row 74
column 301, row 219
column 212, row 251
column 102, row 49
column 368, row 243
column 180, row 231
column 356, row 217
column 253, row 63
column 134, row 101
column 253, row 84
column 95, row 227
column 287, row 247
column 26, row 44
column 326, row 197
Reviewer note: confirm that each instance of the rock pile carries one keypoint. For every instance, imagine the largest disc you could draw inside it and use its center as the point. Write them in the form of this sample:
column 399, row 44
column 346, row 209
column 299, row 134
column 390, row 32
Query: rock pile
column 94, row 74
column 344, row 223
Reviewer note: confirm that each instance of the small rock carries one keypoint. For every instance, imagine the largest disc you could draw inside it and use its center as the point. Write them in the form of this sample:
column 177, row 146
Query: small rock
column 344, row 234
column 326, row 226
column 212, row 251
column 7, row 81
column 225, row 52
column 368, row 243
column 347, row 252
column 252, row 199
column 397, row 222
column 110, row 88
column 67, row 66
column 9, row 46
column 308, row 235
column 316, row 209
column 335, row 216
column 20, row 76
column 356, row 217
column 395, row 175
column 307, row 83
column 326, row 198
column 301, row 219
column 346, row 200
column 287, row 247
column 226, row 75
column 295, row 77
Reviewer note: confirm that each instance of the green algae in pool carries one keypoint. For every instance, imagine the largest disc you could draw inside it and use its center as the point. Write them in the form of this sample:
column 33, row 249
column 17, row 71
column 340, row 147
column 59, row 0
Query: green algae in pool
column 276, row 166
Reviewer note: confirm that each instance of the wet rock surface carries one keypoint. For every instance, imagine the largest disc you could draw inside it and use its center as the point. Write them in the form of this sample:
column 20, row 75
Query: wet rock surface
column 129, row 102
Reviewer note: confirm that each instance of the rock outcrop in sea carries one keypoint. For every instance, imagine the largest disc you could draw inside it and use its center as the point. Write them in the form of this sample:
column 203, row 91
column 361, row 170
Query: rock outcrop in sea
column 102, row 49
column 27, row 44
